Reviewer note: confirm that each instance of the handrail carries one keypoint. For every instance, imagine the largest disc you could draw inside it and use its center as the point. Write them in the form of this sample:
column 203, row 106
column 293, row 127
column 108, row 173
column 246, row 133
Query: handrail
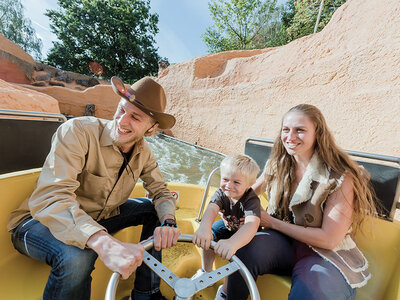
column 23, row 113
column 205, row 195
column 269, row 141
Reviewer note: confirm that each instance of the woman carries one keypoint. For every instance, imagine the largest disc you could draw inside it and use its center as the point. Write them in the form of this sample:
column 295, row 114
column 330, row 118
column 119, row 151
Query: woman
column 318, row 198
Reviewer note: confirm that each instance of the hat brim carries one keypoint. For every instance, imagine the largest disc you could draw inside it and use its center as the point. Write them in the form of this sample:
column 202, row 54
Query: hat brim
column 165, row 121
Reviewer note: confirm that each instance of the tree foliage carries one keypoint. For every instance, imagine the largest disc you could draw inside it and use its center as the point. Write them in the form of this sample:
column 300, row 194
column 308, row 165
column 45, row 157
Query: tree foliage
column 117, row 34
column 17, row 29
column 304, row 16
column 242, row 24
column 251, row 24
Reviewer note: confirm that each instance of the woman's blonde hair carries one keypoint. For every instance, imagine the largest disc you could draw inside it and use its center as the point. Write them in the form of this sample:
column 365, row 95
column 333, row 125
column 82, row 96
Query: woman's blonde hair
column 280, row 167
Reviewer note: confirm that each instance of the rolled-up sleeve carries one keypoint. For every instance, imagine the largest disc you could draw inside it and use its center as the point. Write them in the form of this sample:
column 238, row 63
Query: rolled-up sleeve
column 53, row 202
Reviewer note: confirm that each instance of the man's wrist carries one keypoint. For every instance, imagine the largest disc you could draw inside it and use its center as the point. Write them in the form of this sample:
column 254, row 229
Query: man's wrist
column 170, row 222
column 96, row 239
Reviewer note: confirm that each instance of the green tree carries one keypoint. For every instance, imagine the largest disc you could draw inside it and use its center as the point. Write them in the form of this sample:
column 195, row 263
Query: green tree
column 242, row 24
column 301, row 16
column 117, row 34
column 17, row 29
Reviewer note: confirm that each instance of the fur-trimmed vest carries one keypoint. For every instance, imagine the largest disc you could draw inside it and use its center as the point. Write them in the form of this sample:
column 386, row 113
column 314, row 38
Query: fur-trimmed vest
column 307, row 207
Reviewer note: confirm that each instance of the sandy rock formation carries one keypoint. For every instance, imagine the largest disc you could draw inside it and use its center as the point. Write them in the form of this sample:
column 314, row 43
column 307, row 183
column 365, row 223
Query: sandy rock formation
column 350, row 70
column 16, row 97
column 17, row 66
column 73, row 102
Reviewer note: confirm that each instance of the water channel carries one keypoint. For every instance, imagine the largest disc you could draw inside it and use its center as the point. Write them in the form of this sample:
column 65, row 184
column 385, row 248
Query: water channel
column 180, row 161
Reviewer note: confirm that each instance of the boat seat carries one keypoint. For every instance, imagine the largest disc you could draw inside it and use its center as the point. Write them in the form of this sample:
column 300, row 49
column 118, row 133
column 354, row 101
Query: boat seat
column 380, row 240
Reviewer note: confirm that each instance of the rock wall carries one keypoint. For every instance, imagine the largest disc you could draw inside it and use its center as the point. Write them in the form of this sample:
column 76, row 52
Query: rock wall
column 17, row 66
column 350, row 70
column 16, row 97
column 73, row 102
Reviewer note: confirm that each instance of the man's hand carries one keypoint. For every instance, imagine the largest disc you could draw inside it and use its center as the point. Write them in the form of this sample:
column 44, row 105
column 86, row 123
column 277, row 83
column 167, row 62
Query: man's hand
column 165, row 236
column 118, row 256
column 225, row 249
column 203, row 237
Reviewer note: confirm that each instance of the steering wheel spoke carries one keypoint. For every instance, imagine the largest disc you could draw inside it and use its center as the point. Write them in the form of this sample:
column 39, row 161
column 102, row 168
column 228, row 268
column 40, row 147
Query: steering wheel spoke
column 208, row 279
column 185, row 288
column 162, row 271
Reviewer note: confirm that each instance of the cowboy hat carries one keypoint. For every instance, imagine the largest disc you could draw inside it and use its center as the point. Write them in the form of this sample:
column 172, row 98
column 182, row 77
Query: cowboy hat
column 148, row 96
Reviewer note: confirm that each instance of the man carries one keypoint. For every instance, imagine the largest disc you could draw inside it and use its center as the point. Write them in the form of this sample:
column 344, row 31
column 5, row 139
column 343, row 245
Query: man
column 82, row 194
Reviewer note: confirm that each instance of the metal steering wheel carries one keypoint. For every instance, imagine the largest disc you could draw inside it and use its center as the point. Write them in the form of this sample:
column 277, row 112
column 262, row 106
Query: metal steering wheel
column 185, row 288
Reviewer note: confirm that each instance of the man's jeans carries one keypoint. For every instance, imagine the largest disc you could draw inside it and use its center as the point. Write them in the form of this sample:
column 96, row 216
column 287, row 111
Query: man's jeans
column 71, row 267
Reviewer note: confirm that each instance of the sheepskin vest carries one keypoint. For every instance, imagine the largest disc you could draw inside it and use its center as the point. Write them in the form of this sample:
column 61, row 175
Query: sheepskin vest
column 307, row 207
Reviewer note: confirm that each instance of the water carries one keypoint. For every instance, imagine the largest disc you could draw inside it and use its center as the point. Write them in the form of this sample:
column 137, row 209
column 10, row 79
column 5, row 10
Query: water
column 183, row 162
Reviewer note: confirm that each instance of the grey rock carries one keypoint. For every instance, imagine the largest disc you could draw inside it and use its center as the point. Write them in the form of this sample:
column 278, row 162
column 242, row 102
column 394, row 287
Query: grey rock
column 43, row 77
column 39, row 83
column 53, row 83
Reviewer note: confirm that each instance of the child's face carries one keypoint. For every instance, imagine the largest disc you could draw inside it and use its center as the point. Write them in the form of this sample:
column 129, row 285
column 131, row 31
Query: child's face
column 233, row 184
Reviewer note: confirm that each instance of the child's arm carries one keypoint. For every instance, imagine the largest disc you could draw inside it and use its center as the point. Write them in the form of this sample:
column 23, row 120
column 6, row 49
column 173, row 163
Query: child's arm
column 227, row 248
column 203, row 236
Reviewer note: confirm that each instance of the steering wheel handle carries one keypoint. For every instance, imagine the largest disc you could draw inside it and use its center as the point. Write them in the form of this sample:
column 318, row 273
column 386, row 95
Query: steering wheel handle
column 185, row 288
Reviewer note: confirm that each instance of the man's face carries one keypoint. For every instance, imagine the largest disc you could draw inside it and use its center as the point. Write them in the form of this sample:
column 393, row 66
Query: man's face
column 130, row 124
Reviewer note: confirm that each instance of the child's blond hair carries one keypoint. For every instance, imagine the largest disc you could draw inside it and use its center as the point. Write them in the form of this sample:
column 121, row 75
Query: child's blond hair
column 243, row 164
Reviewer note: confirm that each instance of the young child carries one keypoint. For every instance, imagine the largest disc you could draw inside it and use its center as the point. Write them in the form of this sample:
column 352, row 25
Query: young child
column 234, row 200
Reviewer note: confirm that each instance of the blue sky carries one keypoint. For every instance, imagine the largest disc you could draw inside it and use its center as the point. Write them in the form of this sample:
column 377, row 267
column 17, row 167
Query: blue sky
column 181, row 23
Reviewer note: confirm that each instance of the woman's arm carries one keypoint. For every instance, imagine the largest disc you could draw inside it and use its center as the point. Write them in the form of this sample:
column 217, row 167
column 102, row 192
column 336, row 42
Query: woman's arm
column 336, row 220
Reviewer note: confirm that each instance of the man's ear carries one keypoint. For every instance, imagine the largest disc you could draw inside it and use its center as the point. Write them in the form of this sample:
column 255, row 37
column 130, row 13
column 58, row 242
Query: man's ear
column 152, row 128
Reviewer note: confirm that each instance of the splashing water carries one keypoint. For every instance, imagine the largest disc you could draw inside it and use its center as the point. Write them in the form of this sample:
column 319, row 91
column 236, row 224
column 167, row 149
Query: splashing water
column 183, row 162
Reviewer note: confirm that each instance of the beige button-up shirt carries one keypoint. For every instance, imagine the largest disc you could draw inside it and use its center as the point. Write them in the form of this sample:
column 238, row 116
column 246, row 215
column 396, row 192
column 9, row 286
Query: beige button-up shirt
column 79, row 184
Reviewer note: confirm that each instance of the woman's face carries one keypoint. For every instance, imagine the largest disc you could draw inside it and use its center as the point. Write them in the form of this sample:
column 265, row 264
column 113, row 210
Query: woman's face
column 298, row 135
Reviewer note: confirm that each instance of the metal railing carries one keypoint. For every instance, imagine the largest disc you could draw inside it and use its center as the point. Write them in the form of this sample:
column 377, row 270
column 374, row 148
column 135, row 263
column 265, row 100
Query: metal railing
column 205, row 195
column 35, row 114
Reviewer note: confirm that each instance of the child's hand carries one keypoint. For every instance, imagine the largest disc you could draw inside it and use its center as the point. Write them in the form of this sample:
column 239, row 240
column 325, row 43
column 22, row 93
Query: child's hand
column 203, row 237
column 225, row 249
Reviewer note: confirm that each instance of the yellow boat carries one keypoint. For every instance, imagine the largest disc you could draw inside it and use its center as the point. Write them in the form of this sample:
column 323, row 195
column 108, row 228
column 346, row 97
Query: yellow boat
column 23, row 278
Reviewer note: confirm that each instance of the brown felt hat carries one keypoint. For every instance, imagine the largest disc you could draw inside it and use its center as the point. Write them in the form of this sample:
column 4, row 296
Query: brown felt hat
column 148, row 96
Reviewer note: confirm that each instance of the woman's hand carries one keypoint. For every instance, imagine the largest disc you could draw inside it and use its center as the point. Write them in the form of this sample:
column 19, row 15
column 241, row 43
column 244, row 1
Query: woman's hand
column 266, row 219
column 336, row 220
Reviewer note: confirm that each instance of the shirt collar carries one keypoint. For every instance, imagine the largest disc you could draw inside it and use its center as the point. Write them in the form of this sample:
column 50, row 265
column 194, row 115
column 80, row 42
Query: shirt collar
column 105, row 138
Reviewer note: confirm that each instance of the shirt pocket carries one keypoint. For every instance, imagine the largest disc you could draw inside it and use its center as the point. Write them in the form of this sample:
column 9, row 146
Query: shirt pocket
column 93, row 191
